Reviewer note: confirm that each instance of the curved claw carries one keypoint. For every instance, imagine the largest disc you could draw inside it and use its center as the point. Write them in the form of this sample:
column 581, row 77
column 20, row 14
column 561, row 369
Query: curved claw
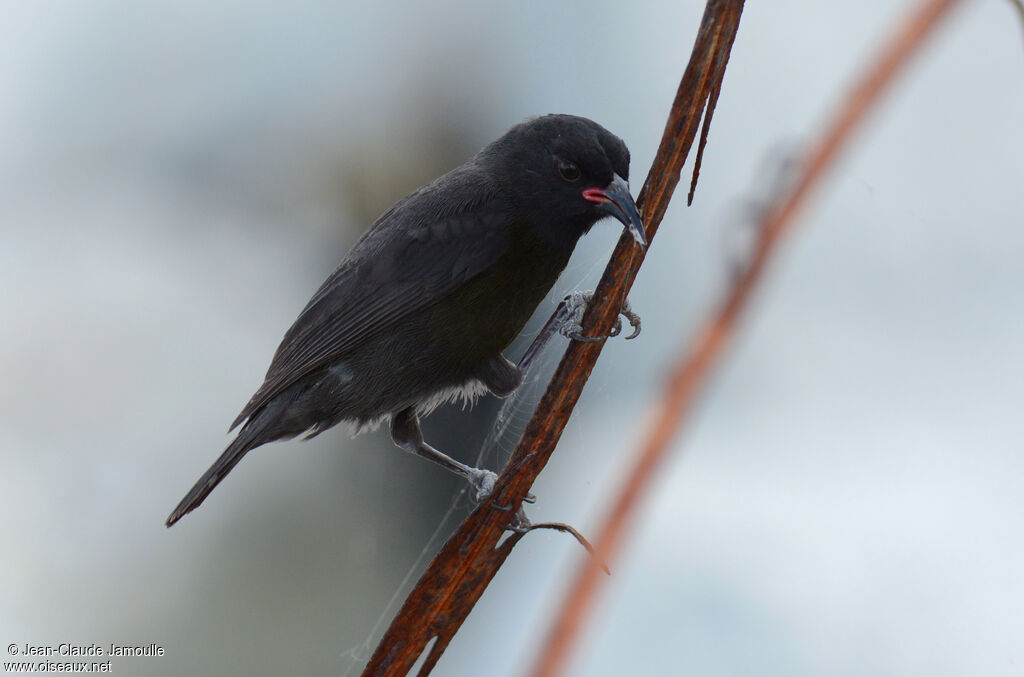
column 632, row 318
column 529, row 498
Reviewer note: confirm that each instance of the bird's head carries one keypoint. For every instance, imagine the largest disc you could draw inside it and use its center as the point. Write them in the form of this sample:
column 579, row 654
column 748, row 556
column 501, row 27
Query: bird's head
column 565, row 173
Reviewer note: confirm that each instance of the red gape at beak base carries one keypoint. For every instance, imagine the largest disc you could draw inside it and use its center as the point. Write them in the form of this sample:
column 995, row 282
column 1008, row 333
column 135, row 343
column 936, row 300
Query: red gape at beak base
column 616, row 201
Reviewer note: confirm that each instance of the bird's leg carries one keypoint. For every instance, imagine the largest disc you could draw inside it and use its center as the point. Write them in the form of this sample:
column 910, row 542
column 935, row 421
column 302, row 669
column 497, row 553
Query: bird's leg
column 556, row 320
column 502, row 378
column 406, row 433
column 567, row 320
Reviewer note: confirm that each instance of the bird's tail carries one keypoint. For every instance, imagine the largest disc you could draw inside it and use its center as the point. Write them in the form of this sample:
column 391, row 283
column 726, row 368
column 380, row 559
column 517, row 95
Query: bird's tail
column 247, row 439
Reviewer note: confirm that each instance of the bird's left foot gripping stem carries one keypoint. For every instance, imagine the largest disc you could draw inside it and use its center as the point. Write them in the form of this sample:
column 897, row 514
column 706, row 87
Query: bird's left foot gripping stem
column 567, row 320
column 577, row 303
column 405, row 431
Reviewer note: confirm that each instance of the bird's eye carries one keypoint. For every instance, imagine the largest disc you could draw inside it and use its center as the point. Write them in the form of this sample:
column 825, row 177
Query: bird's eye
column 569, row 171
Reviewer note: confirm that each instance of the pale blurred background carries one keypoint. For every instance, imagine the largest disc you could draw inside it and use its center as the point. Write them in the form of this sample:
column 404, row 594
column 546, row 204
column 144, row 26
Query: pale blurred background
column 177, row 178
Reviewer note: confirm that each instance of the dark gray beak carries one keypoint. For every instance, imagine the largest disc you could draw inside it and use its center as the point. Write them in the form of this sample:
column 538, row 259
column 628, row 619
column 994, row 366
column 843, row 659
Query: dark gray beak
column 616, row 200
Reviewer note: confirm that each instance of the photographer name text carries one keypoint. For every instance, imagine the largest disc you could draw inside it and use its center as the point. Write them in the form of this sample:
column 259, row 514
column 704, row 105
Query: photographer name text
column 69, row 649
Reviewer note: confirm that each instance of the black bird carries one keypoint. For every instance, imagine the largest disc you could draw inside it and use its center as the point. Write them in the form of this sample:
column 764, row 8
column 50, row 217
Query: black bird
column 419, row 311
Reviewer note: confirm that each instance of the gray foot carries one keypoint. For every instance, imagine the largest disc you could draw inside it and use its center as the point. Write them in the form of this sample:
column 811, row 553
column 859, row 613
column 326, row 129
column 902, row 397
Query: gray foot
column 481, row 483
column 576, row 304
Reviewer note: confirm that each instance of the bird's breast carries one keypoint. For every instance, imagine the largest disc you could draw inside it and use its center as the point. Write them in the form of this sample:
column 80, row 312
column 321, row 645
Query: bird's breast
column 480, row 318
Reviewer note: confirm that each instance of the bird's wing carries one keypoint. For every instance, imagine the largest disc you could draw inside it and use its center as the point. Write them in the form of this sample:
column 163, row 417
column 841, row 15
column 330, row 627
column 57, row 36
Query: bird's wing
column 411, row 258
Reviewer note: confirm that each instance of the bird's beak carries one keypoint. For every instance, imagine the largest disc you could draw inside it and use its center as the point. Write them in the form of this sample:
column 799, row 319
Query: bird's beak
column 616, row 200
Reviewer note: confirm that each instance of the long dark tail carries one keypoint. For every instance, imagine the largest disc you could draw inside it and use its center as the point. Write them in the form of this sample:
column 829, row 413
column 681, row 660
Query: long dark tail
column 249, row 438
